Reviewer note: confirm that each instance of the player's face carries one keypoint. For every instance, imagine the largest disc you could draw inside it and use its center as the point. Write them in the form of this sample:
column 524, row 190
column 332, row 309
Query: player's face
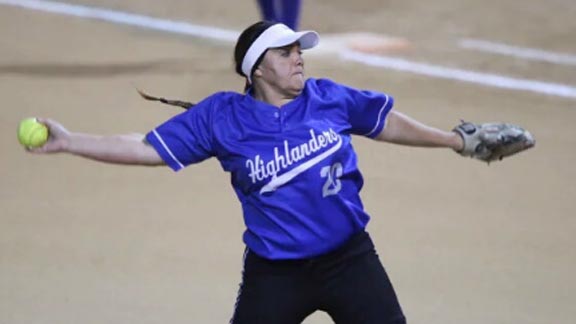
column 283, row 69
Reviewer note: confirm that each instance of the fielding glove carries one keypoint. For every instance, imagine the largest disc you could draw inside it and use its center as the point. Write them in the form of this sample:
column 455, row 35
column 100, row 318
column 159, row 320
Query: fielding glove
column 493, row 141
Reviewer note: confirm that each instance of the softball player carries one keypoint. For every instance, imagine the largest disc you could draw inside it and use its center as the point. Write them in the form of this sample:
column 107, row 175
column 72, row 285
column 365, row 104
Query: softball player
column 286, row 143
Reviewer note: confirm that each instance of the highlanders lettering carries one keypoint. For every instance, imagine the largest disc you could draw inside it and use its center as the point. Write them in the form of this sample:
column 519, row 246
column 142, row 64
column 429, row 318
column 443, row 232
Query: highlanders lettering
column 260, row 170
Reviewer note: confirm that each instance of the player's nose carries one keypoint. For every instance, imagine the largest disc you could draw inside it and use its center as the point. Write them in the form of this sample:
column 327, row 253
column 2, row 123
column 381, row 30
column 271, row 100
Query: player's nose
column 298, row 60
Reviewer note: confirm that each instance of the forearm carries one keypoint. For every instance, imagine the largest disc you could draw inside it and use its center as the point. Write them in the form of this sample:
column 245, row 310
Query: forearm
column 403, row 130
column 118, row 149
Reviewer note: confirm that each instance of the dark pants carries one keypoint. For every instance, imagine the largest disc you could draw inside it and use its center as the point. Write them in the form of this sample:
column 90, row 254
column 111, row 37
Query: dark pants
column 282, row 11
column 350, row 284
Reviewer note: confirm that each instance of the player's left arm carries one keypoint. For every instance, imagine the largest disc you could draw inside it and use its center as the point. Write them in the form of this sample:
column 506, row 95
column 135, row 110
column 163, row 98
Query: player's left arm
column 404, row 130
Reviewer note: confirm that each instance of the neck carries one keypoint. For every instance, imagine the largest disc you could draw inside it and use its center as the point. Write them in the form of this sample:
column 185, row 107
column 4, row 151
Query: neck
column 273, row 100
column 273, row 96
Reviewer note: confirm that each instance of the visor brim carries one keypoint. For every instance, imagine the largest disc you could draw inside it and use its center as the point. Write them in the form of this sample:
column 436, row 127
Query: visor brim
column 307, row 39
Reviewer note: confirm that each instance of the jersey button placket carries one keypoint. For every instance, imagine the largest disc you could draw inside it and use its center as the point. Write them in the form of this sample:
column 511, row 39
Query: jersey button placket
column 282, row 117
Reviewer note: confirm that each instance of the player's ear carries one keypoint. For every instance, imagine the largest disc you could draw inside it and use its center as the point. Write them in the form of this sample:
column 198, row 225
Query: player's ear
column 257, row 73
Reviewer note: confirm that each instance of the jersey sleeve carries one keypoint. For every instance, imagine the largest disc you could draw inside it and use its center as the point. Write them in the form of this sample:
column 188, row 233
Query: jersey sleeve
column 367, row 111
column 185, row 138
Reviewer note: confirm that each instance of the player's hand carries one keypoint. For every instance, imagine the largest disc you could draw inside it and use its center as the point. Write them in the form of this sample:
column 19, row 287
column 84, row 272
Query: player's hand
column 58, row 138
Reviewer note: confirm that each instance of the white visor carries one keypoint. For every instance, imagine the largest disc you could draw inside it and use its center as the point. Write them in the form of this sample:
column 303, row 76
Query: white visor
column 277, row 35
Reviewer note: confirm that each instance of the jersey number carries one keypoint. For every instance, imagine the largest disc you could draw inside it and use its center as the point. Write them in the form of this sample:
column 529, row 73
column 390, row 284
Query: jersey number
column 332, row 173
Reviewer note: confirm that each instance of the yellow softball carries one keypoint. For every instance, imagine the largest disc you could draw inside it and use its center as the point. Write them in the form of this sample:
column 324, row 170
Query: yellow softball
column 31, row 133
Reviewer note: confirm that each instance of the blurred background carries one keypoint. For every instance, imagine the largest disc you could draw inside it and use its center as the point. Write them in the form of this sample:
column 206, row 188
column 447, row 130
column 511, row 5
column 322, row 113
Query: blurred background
column 463, row 242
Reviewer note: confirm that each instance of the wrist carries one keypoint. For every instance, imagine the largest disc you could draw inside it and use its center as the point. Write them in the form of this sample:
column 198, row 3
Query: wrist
column 72, row 143
column 457, row 142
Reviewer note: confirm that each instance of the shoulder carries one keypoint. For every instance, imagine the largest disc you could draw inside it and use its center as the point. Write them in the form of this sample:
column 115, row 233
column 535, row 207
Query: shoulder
column 322, row 85
column 222, row 98
column 218, row 102
column 327, row 88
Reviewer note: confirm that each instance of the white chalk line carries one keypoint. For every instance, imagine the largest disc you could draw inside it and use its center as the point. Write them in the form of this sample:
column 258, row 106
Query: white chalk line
column 494, row 80
column 519, row 52
column 398, row 64
column 126, row 18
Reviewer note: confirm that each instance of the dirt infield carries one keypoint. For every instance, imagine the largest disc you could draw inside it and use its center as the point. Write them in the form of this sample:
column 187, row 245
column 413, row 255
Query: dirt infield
column 463, row 242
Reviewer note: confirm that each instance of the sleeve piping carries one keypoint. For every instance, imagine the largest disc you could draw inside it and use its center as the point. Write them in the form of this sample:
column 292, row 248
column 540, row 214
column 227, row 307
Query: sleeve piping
column 379, row 121
column 165, row 147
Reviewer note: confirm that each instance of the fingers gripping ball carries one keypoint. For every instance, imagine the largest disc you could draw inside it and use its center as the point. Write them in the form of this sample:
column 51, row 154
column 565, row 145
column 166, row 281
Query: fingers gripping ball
column 493, row 141
column 31, row 133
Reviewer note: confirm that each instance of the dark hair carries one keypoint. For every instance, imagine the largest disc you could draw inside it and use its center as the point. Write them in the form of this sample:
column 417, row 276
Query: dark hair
column 244, row 42
column 179, row 103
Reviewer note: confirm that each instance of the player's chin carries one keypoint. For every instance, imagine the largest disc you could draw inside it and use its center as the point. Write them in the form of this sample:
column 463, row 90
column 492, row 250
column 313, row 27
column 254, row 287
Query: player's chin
column 297, row 82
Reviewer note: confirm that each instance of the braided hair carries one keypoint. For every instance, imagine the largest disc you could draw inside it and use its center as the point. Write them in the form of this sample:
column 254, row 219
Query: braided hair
column 245, row 40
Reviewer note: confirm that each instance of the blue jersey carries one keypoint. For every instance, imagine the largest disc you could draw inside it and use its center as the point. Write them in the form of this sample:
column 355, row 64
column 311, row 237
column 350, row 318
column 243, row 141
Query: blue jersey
column 293, row 169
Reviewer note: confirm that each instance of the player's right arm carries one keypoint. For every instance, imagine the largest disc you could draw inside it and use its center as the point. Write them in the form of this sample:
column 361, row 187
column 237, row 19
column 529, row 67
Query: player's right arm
column 131, row 149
